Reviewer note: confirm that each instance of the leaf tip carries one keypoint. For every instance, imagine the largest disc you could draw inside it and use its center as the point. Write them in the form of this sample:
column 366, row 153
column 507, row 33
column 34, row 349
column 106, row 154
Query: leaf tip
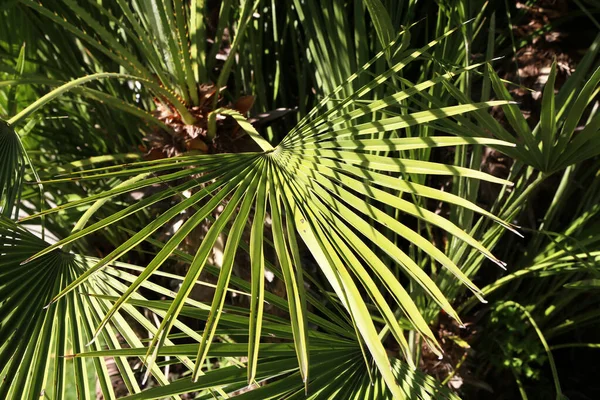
column 93, row 339
column 49, row 304
column 146, row 376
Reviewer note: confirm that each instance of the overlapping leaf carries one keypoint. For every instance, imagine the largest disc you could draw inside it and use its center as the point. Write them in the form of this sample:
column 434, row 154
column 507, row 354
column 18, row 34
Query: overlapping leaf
column 12, row 168
column 38, row 342
column 323, row 182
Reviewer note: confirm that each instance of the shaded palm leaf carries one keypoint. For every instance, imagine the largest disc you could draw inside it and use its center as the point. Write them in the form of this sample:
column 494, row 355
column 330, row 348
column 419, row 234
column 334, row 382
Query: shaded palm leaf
column 38, row 342
column 12, row 168
column 569, row 121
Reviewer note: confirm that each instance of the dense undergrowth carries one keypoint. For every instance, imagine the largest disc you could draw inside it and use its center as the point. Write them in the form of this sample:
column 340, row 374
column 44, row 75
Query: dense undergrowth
column 299, row 199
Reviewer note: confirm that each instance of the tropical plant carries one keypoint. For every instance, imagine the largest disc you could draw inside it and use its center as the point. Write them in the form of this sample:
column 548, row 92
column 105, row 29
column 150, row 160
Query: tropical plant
column 142, row 158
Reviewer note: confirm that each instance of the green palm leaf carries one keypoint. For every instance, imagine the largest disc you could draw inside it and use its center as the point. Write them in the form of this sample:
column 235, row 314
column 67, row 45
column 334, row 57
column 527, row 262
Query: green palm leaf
column 38, row 342
column 308, row 197
column 12, row 166
column 327, row 182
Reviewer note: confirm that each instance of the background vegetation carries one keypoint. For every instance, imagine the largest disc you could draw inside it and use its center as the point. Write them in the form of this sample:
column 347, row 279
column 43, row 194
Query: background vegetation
column 299, row 199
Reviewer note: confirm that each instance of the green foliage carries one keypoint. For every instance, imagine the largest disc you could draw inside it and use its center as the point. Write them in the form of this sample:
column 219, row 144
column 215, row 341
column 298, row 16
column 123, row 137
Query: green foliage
column 12, row 170
column 345, row 201
column 521, row 352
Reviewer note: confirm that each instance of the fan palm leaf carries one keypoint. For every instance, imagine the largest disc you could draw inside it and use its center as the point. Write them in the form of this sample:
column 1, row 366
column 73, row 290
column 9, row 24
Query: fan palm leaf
column 38, row 342
column 327, row 181
column 11, row 170
column 296, row 186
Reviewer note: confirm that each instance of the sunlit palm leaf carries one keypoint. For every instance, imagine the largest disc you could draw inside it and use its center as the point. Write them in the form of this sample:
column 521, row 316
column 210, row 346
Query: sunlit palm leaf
column 336, row 363
column 304, row 192
column 326, row 181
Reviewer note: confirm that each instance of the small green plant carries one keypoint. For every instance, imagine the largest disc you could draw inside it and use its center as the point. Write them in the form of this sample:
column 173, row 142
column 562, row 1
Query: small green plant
column 522, row 352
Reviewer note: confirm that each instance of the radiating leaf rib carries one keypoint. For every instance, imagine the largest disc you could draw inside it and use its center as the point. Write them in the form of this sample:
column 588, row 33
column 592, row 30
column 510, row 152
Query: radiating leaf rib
column 67, row 168
column 257, row 265
column 187, row 227
column 101, row 370
column 29, row 297
column 216, row 350
column 79, row 343
column 390, row 200
column 197, row 163
column 229, row 253
column 387, row 246
column 380, row 302
column 16, row 382
column 272, row 327
column 229, row 375
column 393, row 99
column 335, row 169
column 147, row 182
column 126, row 332
column 112, row 219
column 110, row 339
column 296, row 262
column 339, row 278
column 398, row 144
column 11, row 163
column 310, row 117
column 328, row 381
column 394, row 123
column 132, row 339
column 198, row 263
column 31, row 380
column 282, row 250
column 141, row 235
column 401, row 229
column 336, row 325
column 38, row 377
column 60, row 348
column 383, row 273
column 404, row 165
column 390, row 281
column 362, row 91
column 314, row 236
column 486, row 122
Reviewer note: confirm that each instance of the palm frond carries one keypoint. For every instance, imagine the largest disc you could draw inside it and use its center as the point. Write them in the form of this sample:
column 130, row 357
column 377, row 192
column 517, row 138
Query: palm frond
column 12, row 170
column 307, row 183
column 40, row 340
